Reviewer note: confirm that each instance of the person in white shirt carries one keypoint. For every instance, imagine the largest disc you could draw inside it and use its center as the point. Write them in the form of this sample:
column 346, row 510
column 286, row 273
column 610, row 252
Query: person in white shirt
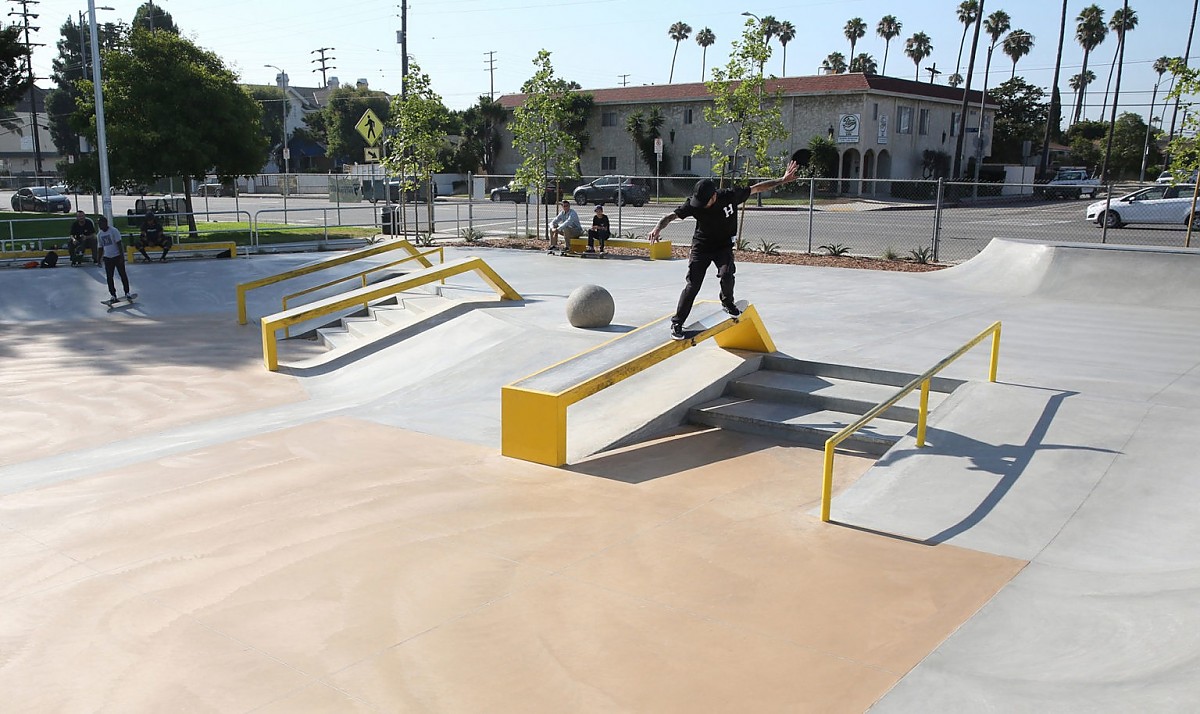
column 565, row 224
column 109, row 239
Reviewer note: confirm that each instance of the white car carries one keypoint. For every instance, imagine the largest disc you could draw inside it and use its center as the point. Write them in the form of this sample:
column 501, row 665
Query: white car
column 1161, row 203
column 1169, row 177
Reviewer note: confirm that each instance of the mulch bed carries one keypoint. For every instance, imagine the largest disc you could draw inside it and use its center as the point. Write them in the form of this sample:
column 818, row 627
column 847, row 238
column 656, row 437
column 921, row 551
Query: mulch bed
column 680, row 252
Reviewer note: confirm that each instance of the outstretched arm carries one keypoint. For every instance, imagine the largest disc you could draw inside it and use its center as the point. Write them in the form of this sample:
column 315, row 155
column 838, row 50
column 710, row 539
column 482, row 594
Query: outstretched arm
column 657, row 229
column 788, row 176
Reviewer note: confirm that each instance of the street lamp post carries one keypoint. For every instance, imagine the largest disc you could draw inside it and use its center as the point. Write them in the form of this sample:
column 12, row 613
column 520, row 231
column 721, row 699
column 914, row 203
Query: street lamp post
column 764, row 34
column 284, row 149
column 101, row 137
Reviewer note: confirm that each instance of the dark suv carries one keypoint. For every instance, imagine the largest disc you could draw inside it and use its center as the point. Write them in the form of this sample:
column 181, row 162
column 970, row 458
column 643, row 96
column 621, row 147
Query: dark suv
column 605, row 190
column 39, row 198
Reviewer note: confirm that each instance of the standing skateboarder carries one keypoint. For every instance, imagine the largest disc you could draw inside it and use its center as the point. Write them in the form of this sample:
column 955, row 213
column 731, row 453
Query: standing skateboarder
column 716, row 215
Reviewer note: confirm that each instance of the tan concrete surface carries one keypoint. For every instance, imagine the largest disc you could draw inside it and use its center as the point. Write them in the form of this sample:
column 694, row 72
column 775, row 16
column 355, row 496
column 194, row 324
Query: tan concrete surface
column 343, row 565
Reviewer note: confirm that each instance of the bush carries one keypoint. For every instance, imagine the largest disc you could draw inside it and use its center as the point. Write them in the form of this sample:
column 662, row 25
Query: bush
column 917, row 190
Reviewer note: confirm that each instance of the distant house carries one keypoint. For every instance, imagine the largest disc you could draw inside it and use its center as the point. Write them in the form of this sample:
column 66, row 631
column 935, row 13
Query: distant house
column 882, row 125
column 17, row 155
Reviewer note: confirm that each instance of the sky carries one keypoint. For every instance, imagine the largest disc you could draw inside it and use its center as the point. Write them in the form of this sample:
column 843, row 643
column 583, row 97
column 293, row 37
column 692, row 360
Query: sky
column 604, row 43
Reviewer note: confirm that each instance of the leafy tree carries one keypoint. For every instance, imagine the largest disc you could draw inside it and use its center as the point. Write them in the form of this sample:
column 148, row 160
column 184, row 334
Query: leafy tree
column 864, row 63
column 740, row 103
column 918, row 47
column 854, row 31
column 271, row 99
column 341, row 113
column 479, row 127
column 1090, row 31
column 1120, row 23
column 955, row 80
column 418, row 120
column 889, row 29
column 786, row 33
column 834, row 63
column 172, row 109
column 678, row 32
column 968, row 13
column 705, row 38
column 822, row 157
column 539, row 130
column 1129, row 132
column 1084, row 152
column 1021, row 117
column 1090, row 130
column 1183, row 149
column 1017, row 45
column 73, row 63
column 644, row 130
column 153, row 17
column 12, row 76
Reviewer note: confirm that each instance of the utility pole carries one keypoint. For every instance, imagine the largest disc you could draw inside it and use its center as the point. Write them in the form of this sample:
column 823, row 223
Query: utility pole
column 624, row 80
column 1116, row 95
column 933, row 72
column 962, row 117
column 323, row 60
column 403, row 39
column 491, row 63
column 26, row 16
column 1062, row 33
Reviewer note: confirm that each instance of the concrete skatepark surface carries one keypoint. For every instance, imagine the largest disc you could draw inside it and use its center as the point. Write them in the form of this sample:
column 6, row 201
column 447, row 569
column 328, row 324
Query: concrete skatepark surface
column 182, row 530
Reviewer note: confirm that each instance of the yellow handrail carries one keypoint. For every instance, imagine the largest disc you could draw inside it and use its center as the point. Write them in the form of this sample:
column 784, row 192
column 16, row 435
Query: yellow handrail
column 362, row 274
column 921, row 381
column 342, row 259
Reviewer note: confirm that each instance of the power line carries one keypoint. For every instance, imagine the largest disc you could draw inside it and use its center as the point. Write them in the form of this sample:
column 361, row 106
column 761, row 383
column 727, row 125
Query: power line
column 491, row 63
column 324, row 62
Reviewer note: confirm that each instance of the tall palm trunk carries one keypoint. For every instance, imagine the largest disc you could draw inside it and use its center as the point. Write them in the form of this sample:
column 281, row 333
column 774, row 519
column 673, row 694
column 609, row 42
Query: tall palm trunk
column 1149, row 125
column 1111, row 67
column 887, row 45
column 1062, row 35
column 703, row 61
column 1186, row 58
column 671, row 77
column 1079, row 94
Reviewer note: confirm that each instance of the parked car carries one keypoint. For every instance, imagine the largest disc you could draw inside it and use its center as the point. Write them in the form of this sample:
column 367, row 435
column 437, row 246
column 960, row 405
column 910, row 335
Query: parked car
column 510, row 192
column 1169, row 177
column 612, row 189
column 1159, row 204
column 211, row 189
column 40, row 198
column 1070, row 183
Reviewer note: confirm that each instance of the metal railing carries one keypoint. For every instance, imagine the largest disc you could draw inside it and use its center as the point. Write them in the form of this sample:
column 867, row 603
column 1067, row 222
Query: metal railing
column 921, row 382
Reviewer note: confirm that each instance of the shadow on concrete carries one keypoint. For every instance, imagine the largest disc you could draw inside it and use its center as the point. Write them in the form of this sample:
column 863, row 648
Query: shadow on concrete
column 670, row 455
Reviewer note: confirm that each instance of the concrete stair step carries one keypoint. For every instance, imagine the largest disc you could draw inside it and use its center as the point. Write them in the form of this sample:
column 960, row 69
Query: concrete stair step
column 335, row 336
column 798, row 423
column 831, row 393
column 854, row 373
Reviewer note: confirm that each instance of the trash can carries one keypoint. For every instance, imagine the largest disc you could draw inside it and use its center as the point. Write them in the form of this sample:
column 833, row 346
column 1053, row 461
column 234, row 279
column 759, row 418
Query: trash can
column 389, row 219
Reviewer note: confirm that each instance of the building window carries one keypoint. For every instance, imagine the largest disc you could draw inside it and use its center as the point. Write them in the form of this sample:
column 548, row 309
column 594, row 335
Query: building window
column 687, row 116
column 923, row 122
column 954, row 117
column 608, row 163
column 904, row 120
column 875, row 112
column 687, row 163
column 608, row 119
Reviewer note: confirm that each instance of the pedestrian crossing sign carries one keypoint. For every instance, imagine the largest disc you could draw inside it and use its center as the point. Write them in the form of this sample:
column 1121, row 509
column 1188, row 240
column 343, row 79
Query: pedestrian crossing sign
column 370, row 127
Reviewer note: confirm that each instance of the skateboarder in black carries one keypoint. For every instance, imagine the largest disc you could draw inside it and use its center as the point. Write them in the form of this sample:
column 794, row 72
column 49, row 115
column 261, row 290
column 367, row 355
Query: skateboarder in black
column 83, row 237
column 716, row 217
column 153, row 235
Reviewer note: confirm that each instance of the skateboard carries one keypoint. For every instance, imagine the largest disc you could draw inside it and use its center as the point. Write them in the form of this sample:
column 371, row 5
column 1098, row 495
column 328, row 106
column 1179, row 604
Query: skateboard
column 577, row 254
column 113, row 302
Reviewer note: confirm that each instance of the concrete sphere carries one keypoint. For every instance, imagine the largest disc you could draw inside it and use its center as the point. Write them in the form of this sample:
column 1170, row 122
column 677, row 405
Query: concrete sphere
column 590, row 306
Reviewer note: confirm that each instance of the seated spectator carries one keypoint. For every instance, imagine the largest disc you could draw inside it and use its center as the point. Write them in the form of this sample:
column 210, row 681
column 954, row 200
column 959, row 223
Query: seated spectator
column 599, row 230
column 83, row 237
column 565, row 224
column 153, row 234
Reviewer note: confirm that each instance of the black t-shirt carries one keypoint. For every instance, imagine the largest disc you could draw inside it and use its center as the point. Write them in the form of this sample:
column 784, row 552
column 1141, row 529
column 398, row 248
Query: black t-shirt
column 152, row 234
column 80, row 230
column 716, row 227
column 600, row 221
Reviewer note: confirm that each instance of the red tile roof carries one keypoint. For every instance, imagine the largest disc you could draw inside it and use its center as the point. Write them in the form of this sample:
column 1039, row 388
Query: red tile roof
column 789, row 86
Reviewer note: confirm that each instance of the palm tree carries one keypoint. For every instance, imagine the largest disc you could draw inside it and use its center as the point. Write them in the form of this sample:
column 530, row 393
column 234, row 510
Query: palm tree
column 770, row 28
column 854, row 30
column 918, row 47
column 834, row 63
column 1079, row 82
column 888, row 28
column 678, row 32
column 994, row 25
column 786, row 33
column 1120, row 23
column 1161, row 65
column 864, row 63
column 705, row 38
column 954, row 80
column 968, row 13
column 1017, row 45
column 1090, row 31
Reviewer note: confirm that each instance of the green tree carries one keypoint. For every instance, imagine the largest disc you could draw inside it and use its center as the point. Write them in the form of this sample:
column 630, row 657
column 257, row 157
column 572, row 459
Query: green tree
column 153, row 17
column 418, row 121
column 73, row 63
column 786, row 33
column 540, row 136
column 644, row 130
column 480, row 131
column 341, row 113
column 741, row 104
column 172, row 109
column 889, row 29
column 995, row 25
column 1129, row 132
column 1184, row 149
column 271, row 99
column 822, row 158
column 1084, row 152
column 1090, row 31
column 1017, row 45
column 1021, row 117
column 854, row 31
column 12, row 76
column 917, row 48
column 835, row 63
column 864, row 63
column 679, row 32
column 705, row 38
column 968, row 13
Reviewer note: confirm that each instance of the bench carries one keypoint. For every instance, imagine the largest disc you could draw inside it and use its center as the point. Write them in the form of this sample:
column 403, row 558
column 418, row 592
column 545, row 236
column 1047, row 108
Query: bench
column 131, row 252
column 658, row 251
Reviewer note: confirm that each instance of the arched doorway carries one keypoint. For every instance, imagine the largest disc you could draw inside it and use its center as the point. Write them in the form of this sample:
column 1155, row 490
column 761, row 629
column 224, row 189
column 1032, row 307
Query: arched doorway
column 868, row 172
column 883, row 171
column 851, row 164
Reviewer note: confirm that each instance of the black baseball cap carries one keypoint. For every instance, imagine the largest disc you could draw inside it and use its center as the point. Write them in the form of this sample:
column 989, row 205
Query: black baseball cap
column 704, row 190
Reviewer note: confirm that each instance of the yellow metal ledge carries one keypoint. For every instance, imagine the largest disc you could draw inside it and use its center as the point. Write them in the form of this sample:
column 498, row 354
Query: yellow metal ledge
column 533, row 410
column 362, row 296
column 660, row 250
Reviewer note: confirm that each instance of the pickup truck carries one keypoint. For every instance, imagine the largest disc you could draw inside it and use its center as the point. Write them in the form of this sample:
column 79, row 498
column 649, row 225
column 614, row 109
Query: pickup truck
column 1070, row 183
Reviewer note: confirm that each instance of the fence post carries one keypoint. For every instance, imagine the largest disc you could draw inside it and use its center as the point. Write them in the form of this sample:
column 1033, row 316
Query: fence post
column 471, row 201
column 812, row 188
column 620, row 203
column 1107, row 207
column 937, row 219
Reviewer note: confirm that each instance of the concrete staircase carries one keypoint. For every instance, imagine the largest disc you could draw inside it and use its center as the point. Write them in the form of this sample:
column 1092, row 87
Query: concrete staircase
column 808, row 402
column 380, row 319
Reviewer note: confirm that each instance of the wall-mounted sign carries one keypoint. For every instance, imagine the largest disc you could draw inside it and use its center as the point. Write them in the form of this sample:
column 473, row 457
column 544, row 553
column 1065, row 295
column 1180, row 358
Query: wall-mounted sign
column 883, row 130
column 847, row 128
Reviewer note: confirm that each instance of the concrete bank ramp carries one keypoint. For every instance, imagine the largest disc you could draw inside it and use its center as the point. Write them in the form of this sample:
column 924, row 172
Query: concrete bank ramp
column 1126, row 275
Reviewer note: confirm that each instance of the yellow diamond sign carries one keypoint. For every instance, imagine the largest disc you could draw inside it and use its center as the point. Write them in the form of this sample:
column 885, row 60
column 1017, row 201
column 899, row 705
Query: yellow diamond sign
column 370, row 127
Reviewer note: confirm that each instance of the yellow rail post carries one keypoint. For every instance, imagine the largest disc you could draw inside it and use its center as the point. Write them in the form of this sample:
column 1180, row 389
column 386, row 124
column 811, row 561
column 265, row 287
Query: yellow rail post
column 827, row 481
column 923, row 414
column 995, row 353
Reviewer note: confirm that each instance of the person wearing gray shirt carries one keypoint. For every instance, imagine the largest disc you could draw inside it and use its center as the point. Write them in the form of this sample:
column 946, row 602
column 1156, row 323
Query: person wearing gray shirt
column 566, row 224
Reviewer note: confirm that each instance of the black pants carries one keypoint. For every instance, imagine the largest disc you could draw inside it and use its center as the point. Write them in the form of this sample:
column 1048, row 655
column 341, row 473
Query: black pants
column 164, row 243
column 117, row 264
column 76, row 247
column 698, row 261
column 597, row 234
